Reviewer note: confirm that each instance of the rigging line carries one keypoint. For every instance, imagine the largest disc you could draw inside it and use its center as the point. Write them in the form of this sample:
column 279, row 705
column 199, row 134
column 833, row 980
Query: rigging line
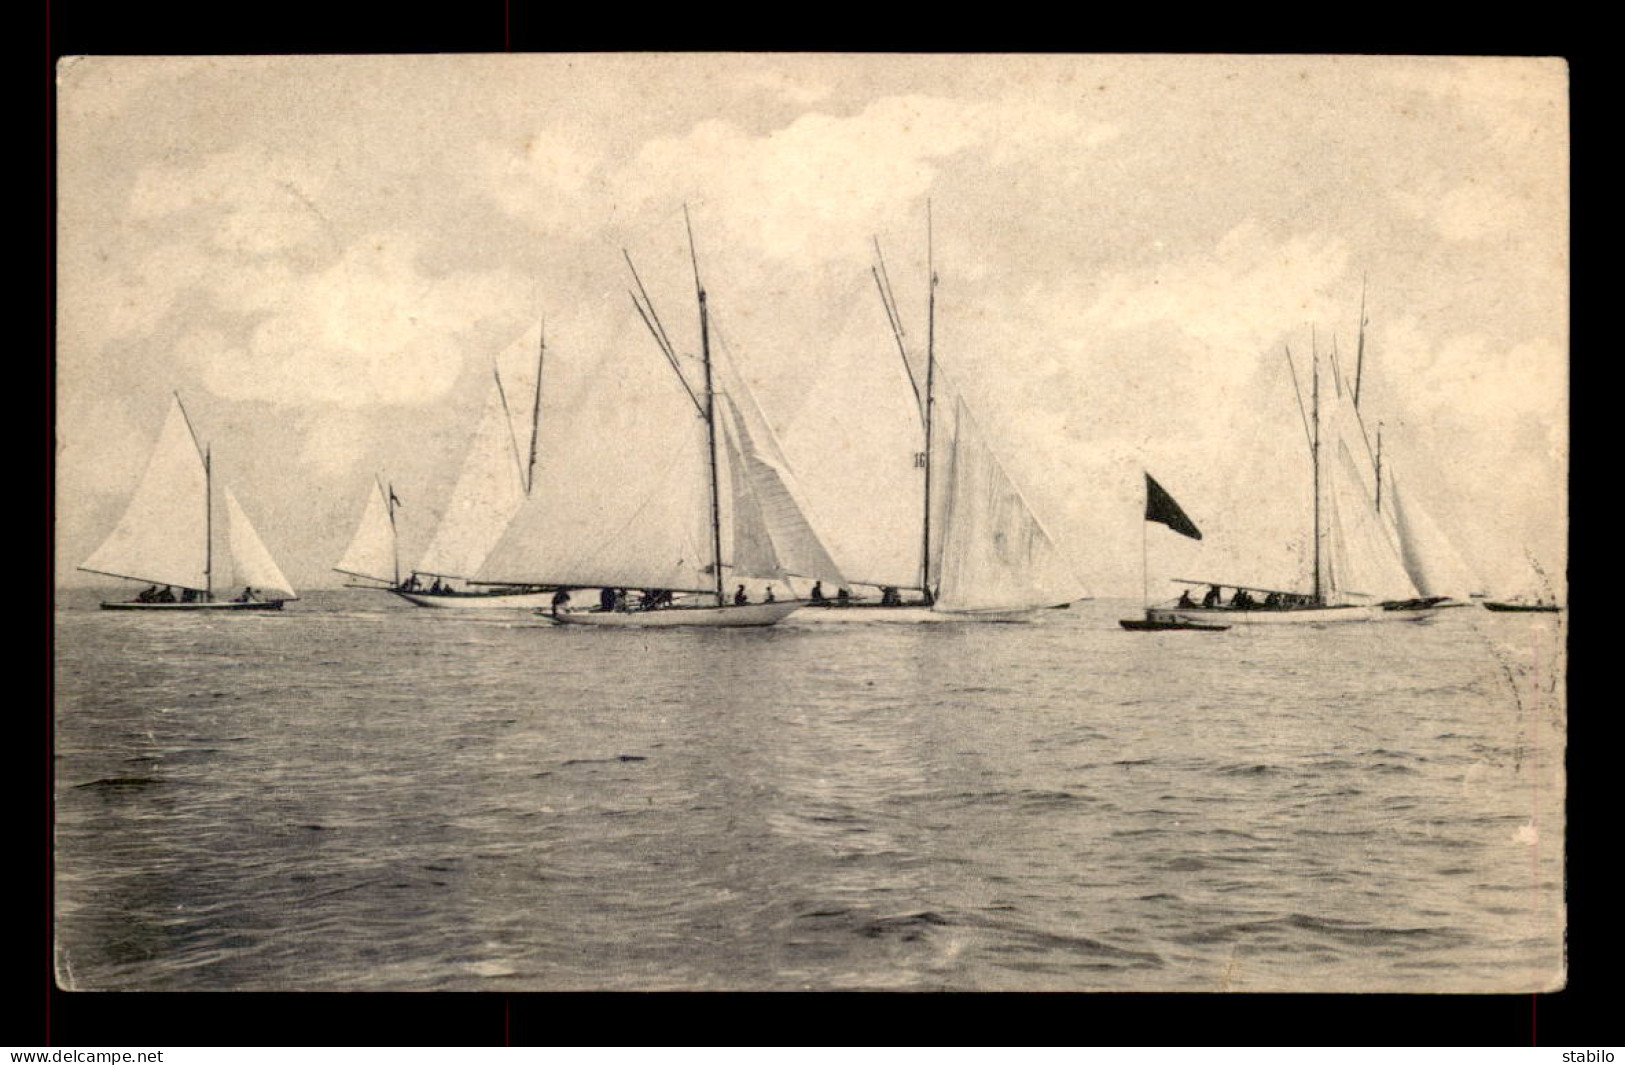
column 897, row 332
column 536, row 411
column 660, row 328
column 1298, row 392
column 885, row 290
column 507, row 419
column 188, row 419
column 671, row 357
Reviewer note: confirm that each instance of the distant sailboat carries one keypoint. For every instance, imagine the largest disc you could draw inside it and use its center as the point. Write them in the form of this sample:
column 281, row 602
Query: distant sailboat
column 660, row 527
column 494, row 481
column 983, row 553
column 166, row 536
column 1541, row 602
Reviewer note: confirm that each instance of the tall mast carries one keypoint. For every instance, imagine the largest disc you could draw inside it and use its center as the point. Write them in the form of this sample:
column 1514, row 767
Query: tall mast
column 208, row 509
column 1315, row 452
column 1359, row 351
column 208, row 529
column 536, row 411
column 394, row 538
column 930, row 400
column 710, row 413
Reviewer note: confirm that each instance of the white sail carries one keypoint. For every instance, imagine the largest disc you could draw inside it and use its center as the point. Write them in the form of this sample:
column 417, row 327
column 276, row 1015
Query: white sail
column 489, row 491
column 1434, row 564
column 1360, row 557
column 622, row 498
column 371, row 552
column 252, row 564
column 767, row 482
column 163, row 535
column 995, row 554
column 857, row 443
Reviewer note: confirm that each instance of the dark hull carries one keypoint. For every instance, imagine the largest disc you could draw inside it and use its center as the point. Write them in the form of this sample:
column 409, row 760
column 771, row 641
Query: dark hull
column 1519, row 608
column 1146, row 625
column 275, row 604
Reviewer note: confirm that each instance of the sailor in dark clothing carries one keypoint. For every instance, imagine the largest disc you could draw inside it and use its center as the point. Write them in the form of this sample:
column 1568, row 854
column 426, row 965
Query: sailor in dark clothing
column 1185, row 598
column 606, row 599
column 1213, row 596
column 740, row 598
column 817, row 594
column 165, row 596
column 1241, row 600
column 843, row 596
column 561, row 599
column 769, row 598
column 148, row 594
column 1272, row 600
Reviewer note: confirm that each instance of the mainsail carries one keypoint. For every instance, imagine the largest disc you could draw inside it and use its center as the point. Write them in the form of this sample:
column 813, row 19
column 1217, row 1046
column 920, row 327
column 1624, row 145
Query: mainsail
column 252, row 564
column 371, row 553
column 163, row 536
column 995, row 554
column 490, row 489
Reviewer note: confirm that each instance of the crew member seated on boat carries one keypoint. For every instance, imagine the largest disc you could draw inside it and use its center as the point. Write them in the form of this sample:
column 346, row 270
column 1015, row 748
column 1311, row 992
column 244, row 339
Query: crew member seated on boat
column 147, row 594
column 769, row 598
column 817, row 593
column 889, row 597
column 843, row 596
column 165, row 596
column 1213, row 596
column 606, row 599
column 740, row 598
column 1185, row 598
column 247, row 596
column 1241, row 600
column 188, row 595
column 561, row 599
column 1272, row 600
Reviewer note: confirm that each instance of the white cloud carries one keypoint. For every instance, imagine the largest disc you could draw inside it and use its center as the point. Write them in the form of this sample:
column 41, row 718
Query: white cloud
column 537, row 176
column 368, row 329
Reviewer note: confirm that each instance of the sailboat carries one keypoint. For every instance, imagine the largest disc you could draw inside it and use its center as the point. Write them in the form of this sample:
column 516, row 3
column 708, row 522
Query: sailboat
column 660, row 525
column 983, row 554
column 1161, row 508
column 1542, row 602
column 1356, row 565
column 494, row 481
column 166, row 536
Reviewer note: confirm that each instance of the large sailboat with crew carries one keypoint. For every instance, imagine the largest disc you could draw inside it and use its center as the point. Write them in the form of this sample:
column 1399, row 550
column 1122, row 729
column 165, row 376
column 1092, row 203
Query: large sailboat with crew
column 166, row 537
column 983, row 554
column 496, row 477
column 714, row 504
column 1358, row 572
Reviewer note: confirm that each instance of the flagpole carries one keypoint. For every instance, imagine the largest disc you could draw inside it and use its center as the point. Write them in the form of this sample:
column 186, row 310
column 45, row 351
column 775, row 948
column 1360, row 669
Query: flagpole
column 1145, row 569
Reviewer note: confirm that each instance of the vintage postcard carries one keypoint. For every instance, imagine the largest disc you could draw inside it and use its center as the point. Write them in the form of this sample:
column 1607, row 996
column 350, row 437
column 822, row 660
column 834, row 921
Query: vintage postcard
column 811, row 522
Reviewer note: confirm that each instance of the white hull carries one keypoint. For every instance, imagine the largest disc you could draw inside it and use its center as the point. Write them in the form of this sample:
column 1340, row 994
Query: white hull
column 902, row 615
column 749, row 615
column 478, row 601
column 1310, row 615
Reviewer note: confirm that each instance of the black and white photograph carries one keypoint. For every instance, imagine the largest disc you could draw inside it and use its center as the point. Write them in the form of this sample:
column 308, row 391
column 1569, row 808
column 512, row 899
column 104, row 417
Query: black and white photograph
column 832, row 522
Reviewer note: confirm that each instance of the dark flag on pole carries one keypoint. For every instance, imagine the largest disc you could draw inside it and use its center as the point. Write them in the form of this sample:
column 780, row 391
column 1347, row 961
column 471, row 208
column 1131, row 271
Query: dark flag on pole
column 1160, row 506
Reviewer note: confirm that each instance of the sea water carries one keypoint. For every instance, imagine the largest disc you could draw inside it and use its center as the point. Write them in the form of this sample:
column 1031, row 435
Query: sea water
column 356, row 794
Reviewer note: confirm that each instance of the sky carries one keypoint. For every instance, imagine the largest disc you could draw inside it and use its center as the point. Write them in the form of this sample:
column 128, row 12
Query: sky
column 325, row 256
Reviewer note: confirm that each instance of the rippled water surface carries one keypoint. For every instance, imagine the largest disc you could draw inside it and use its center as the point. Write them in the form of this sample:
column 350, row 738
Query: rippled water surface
column 358, row 794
